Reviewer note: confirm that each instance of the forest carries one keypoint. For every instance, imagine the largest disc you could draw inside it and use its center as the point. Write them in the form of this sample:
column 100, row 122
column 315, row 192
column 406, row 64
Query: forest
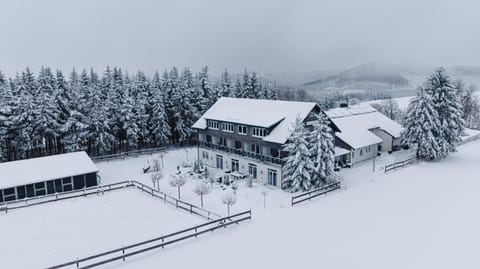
column 51, row 113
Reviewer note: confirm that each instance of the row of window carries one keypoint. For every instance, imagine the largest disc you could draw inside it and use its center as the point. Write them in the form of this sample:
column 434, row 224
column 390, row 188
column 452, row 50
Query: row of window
column 48, row 187
column 252, row 169
column 241, row 129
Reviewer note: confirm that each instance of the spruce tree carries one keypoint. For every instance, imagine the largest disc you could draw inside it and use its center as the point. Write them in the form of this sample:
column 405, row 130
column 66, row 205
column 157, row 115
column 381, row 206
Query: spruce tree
column 423, row 128
column 323, row 151
column 298, row 166
column 448, row 108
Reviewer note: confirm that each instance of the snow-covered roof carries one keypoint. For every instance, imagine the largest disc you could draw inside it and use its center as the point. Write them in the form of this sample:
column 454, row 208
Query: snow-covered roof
column 355, row 123
column 258, row 112
column 16, row 173
column 341, row 151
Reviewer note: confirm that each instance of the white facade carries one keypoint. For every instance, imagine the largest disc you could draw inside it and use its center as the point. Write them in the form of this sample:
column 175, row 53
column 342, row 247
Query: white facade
column 210, row 158
column 364, row 153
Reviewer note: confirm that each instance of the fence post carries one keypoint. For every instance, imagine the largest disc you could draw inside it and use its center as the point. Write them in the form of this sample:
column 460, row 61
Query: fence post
column 123, row 254
column 165, row 197
column 78, row 264
column 176, row 203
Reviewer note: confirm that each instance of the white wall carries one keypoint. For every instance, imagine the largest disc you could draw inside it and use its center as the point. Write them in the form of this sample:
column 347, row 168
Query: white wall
column 364, row 153
column 386, row 138
column 262, row 168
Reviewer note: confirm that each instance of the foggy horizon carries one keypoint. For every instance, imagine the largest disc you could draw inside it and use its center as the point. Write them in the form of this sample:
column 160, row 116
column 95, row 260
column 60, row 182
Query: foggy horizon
column 266, row 36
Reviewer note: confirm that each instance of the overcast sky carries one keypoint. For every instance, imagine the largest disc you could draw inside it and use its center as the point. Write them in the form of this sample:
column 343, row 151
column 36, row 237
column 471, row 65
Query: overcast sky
column 269, row 35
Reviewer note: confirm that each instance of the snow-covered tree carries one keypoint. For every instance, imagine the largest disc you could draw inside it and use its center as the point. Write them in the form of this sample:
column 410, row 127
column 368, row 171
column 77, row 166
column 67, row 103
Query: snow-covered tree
column 177, row 181
column 470, row 103
column 229, row 199
column 201, row 189
column 423, row 127
column 448, row 107
column 391, row 109
column 298, row 164
column 323, row 150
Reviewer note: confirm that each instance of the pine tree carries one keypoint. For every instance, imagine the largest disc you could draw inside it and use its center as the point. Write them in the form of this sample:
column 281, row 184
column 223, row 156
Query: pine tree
column 298, row 166
column 225, row 85
column 323, row 151
column 423, row 127
column 158, row 121
column 448, row 108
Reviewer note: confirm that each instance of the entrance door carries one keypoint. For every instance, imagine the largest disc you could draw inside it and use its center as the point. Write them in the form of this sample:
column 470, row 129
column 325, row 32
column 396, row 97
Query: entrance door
column 252, row 170
column 220, row 162
column 272, row 177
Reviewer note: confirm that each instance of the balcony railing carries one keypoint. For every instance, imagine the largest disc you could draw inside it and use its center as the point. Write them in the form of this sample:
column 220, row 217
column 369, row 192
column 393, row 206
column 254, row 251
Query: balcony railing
column 252, row 155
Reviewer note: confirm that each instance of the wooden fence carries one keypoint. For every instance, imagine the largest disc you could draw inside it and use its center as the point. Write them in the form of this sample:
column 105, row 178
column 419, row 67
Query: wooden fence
column 307, row 196
column 123, row 155
column 193, row 209
column 400, row 164
column 155, row 243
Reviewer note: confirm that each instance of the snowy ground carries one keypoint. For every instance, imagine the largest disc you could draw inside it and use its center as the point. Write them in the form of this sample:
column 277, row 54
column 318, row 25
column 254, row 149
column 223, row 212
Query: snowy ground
column 423, row 216
column 49, row 234
column 247, row 198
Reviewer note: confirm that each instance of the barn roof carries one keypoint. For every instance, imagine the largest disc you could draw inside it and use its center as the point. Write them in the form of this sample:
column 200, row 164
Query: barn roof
column 260, row 113
column 22, row 172
column 355, row 123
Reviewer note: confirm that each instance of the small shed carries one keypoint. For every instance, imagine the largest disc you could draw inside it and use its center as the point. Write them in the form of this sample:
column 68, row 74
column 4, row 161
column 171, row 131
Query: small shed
column 46, row 175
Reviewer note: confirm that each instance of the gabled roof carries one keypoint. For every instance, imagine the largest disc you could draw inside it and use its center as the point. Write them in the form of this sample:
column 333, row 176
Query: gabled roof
column 258, row 112
column 16, row 173
column 355, row 123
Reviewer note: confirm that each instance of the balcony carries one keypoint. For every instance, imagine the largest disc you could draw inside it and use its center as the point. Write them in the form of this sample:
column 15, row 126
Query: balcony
column 252, row 155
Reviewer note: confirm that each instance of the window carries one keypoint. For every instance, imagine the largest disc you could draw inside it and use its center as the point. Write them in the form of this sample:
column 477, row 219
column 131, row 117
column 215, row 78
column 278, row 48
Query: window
column 274, row 152
column 213, row 124
column 272, row 177
column 222, row 141
column 78, row 182
column 235, row 165
column 252, row 170
column 255, row 148
column 1, row 196
column 21, row 193
column 259, row 132
column 227, row 127
column 30, row 190
column 361, row 152
column 40, row 189
column 242, row 129
column 209, row 138
column 9, row 194
column 219, row 162
column 91, row 180
column 50, row 187
column 205, row 154
column 238, row 145
column 67, row 184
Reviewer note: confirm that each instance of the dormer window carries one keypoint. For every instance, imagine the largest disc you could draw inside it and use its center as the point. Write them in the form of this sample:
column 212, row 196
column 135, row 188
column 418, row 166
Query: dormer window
column 213, row 124
column 242, row 129
column 227, row 127
column 259, row 132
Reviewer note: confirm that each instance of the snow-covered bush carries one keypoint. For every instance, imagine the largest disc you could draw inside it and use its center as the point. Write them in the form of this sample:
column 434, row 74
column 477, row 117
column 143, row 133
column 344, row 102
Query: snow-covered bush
column 201, row 189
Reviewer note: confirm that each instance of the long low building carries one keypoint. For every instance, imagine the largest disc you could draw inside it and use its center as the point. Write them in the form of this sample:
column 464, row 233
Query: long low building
column 46, row 175
column 363, row 132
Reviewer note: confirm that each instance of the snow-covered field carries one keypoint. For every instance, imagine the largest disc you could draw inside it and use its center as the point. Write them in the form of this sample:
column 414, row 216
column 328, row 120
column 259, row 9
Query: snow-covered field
column 50, row 234
column 247, row 198
column 423, row 216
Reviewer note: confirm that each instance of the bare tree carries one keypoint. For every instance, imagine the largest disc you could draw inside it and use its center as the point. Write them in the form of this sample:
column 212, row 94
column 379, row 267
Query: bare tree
column 229, row 199
column 202, row 188
column 156, row 177
column 264, row 193
column 212, row 177
column 156, row 165
column 178, row 181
